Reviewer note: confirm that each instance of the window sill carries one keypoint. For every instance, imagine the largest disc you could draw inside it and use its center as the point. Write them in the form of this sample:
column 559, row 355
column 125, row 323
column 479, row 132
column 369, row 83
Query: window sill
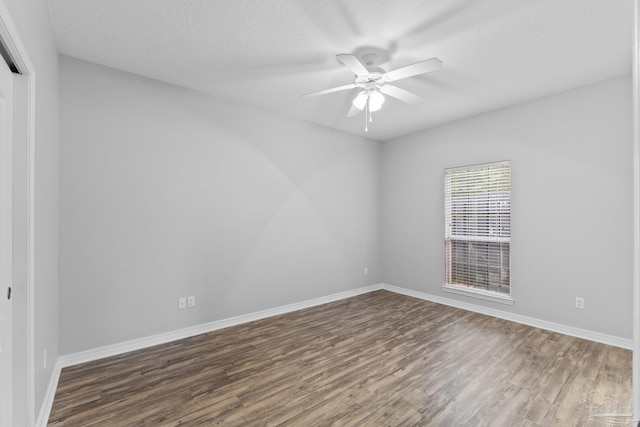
column 477, row 293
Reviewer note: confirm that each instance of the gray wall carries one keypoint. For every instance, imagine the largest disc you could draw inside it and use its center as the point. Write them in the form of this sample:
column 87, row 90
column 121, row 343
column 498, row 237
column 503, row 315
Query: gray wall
column 166, row 192
column 572, row 208
column 32, row 22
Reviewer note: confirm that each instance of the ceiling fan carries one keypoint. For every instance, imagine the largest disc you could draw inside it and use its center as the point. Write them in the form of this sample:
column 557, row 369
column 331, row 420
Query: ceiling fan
column 374, row 82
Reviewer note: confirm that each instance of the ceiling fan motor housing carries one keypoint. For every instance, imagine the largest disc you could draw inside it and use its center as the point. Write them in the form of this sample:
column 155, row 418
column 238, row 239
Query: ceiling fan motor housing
column 372, row 56
column 373, row 80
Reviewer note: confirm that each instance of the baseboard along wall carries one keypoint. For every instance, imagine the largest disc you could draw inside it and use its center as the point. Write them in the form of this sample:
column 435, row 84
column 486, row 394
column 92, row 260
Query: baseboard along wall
column 137, row 344
column 626, row 343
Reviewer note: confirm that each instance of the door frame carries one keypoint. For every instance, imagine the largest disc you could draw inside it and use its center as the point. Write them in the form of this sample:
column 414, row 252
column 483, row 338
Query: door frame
column 11, row 38
column 636, row 213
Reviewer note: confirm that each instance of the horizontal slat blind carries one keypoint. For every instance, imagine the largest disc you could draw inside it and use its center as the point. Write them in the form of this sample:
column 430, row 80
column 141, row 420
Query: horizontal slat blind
column 478, row 226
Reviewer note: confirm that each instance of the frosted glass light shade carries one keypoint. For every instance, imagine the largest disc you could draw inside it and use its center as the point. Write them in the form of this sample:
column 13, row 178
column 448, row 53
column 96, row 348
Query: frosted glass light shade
column 360, row 100
column 376, row 99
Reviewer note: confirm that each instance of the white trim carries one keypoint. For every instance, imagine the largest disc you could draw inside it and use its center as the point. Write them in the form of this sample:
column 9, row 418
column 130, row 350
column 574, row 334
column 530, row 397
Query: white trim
column 16, row 48
column 479, row 293
column 479, row 166
column 493, row 239
column 635, row 400
column 6, row 241
column 165, row 337
column 47, row 403
column 9, row 35
column 525, row 320
column 137, row 344
column 114, row 349
column 31, row 249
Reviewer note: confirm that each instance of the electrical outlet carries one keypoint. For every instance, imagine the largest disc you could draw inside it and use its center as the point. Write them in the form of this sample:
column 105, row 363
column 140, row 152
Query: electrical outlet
column 44, row 359
column 191, row 302
column 579, row 302
column 366, row 271
column 182, row 303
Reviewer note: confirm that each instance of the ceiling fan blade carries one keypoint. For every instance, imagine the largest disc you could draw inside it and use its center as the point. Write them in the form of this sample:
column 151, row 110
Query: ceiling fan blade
column 414, row 69
column 333, row 89
column 353, row 63
column 401, row 94
column 353, row 111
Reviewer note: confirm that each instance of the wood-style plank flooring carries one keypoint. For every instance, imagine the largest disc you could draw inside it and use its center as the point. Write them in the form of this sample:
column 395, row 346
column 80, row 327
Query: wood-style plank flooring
column 378, row 359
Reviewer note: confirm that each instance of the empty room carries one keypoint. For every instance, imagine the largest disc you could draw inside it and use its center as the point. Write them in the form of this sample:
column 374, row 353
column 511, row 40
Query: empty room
column 306, row 213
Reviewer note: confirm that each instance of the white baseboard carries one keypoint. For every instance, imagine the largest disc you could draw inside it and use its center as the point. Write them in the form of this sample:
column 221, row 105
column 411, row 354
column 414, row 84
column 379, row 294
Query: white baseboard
column 112, row 350
column 45, row 409
column 525, row 320
column 124, row 347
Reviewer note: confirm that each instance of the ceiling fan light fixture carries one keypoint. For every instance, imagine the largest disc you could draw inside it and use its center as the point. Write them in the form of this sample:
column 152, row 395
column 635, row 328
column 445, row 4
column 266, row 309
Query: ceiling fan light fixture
column 372, row 80
column 360, row 100
column 376, row 99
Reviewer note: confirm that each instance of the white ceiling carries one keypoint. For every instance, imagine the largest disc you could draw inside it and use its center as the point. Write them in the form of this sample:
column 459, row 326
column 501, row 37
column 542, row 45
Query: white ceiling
column 268, row 53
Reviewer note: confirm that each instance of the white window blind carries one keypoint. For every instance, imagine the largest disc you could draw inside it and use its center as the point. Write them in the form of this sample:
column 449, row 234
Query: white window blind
column 478, row 227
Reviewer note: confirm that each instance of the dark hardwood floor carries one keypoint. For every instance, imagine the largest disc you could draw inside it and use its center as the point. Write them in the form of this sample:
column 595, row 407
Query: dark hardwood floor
column 379, row 359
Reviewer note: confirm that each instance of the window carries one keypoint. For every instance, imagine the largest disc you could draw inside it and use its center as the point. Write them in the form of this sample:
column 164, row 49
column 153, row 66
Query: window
column 478, row 230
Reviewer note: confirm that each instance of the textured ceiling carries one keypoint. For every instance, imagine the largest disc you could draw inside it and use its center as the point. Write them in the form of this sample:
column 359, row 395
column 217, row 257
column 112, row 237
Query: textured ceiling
column 268, row 53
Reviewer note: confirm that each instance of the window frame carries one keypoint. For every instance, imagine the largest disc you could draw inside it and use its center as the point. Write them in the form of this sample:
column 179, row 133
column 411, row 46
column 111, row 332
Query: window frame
column 471, row 291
